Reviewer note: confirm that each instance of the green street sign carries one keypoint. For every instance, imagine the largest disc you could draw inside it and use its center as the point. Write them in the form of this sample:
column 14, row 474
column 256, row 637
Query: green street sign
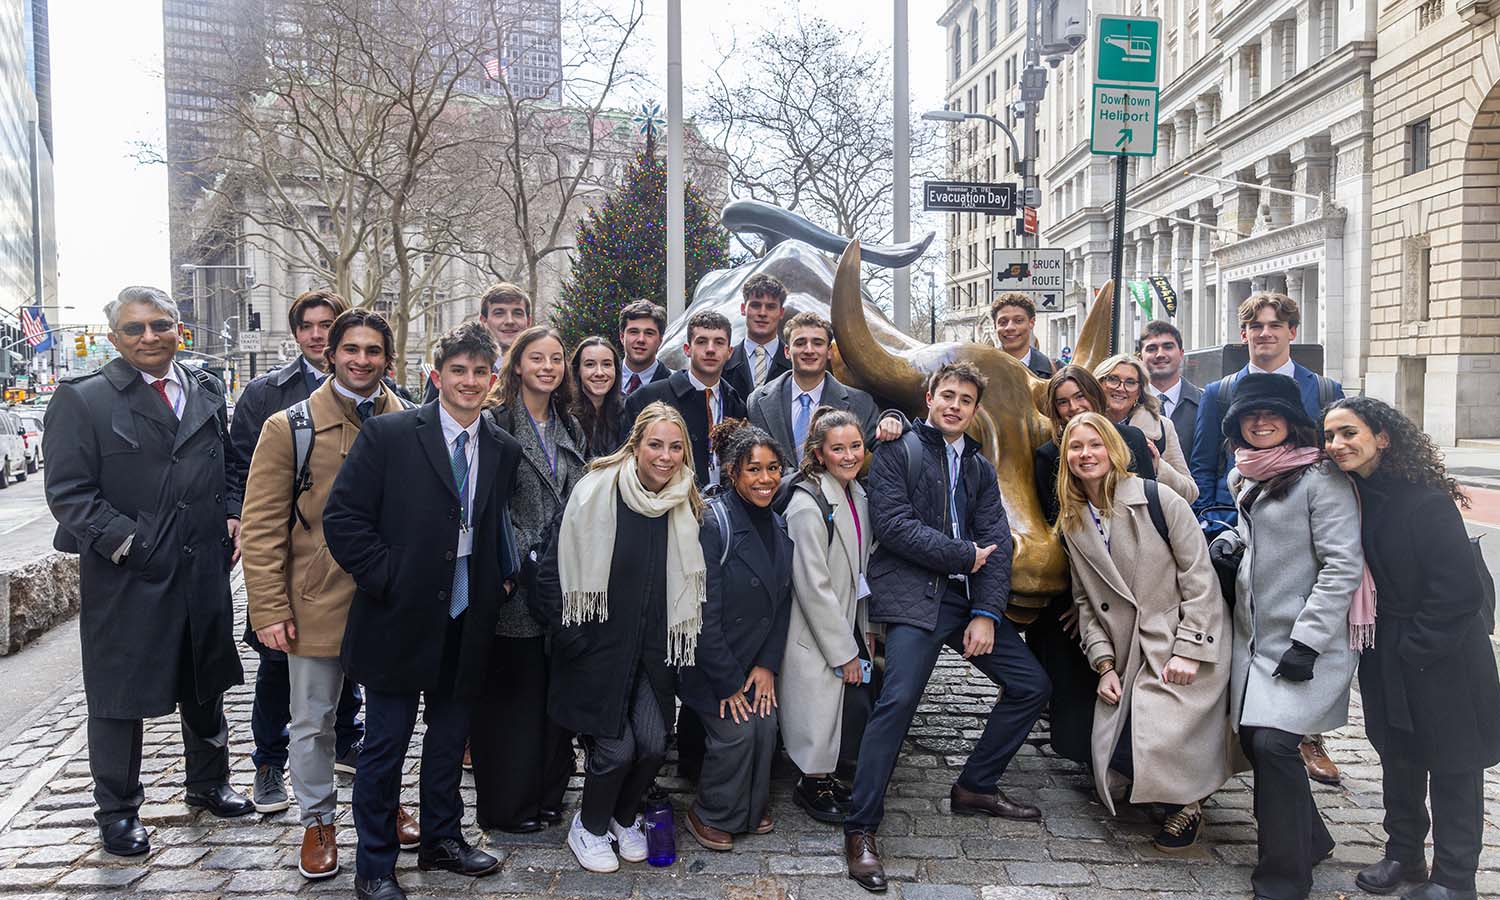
column 1124, row 120
column 1127, row 50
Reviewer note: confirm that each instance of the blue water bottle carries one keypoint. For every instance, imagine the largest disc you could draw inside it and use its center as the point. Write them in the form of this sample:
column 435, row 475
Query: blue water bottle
column 661, row 829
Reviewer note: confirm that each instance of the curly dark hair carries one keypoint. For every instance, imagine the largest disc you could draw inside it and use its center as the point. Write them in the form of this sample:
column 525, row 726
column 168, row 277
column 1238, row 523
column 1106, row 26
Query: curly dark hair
column 1411, row 456
column 733, row 439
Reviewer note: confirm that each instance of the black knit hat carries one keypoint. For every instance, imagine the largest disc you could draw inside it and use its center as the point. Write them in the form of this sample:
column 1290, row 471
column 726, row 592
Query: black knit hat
column 1265, row 391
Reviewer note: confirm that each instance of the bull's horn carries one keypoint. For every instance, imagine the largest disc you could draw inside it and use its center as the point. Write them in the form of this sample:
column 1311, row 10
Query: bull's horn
column 879, row 370
column 1093, row 338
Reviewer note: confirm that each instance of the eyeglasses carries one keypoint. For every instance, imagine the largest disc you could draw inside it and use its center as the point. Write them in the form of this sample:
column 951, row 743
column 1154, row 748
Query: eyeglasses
column 136, row 329
column 1115, row 381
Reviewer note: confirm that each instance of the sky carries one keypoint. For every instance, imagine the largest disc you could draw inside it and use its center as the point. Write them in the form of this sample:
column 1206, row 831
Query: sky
column 108, row 98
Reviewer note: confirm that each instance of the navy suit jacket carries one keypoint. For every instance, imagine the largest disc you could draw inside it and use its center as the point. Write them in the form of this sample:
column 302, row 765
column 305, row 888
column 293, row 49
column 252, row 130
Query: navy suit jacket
column 1210, row 460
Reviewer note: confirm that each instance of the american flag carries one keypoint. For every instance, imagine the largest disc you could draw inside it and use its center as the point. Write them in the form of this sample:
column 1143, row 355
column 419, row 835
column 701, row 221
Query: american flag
column 34, row 327
column 493, row 66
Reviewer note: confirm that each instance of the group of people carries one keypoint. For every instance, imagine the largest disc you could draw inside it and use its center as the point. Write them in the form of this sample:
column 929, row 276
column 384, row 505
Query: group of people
column 586, row 546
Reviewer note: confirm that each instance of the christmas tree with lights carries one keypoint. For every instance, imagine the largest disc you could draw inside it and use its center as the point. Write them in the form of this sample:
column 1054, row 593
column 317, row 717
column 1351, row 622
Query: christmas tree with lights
column 622, row 249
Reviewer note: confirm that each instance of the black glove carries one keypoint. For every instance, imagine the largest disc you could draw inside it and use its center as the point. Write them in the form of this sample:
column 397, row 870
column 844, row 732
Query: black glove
column 1297, row 663
column 1223, row 553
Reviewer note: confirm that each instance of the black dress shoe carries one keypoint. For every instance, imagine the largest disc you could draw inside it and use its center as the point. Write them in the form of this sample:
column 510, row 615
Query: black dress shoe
column 221, row 800
column 525, row 826
column 454, row 855
column 551, row 816
column 1431, row 891
column 378, row 889
column 965, row 802
column 1387, row 876
column 817, row 798
column 126, row 837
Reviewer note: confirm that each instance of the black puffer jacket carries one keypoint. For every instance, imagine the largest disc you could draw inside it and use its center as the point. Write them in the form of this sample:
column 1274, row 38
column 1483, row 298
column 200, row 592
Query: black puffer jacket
column 909, row 569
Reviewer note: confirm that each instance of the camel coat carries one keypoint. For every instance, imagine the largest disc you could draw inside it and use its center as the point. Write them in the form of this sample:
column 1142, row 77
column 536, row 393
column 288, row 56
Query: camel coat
column 289, row 573
column 1172, row 469
column 825, row 609
column 1140, row 603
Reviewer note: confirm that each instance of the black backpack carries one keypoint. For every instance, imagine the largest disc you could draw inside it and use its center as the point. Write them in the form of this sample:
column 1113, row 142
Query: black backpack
column 299, row 417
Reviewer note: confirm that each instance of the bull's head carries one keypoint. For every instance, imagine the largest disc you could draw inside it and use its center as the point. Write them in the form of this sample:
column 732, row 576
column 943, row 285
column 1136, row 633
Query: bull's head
column 1010, row 424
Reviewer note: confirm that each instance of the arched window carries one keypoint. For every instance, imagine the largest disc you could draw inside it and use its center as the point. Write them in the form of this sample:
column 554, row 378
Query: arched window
column 973, row 36
column 958, row 52
column 992, row 23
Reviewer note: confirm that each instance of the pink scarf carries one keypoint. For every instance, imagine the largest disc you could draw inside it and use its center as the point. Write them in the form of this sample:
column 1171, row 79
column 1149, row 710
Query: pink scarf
column 1262, row 465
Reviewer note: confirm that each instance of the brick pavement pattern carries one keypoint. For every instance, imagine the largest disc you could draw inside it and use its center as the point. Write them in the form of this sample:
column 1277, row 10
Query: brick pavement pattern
column 49, row 848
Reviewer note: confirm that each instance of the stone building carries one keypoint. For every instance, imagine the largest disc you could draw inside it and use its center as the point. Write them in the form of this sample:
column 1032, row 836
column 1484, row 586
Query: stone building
column 1434, row 342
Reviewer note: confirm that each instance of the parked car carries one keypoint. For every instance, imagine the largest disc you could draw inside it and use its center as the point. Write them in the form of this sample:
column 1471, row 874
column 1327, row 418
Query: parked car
column 12, row 448
column 31, row 425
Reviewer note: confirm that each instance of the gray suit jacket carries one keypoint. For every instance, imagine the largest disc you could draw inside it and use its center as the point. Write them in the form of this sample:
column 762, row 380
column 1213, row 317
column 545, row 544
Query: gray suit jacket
column 770, row 407
column 1185, row 416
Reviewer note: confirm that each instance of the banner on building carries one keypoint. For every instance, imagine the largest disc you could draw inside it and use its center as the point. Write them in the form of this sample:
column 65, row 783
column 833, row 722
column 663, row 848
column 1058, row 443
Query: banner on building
column 1163, row 290
column 1152, row 293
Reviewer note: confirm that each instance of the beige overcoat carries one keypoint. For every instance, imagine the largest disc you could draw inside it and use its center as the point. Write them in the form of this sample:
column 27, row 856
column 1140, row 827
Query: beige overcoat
column 289, row 573
column 825, row 611
column 1140, row 603
column 1172, row 469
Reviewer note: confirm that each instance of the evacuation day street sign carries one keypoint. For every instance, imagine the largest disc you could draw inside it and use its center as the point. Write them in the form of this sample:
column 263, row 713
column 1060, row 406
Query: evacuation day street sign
column 1126, row 99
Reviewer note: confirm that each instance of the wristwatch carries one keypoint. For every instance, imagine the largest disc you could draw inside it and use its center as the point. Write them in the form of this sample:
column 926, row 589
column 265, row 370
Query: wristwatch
column 1105, row 665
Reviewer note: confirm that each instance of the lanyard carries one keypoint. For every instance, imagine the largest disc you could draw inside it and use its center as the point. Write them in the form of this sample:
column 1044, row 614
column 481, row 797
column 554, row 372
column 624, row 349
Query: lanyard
column 953, row 492
column 550, row 454
column 1099, row 525
column 859, row 533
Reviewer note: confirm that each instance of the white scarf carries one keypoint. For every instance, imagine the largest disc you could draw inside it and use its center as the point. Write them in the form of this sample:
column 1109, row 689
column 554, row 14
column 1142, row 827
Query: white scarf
column 587, row 540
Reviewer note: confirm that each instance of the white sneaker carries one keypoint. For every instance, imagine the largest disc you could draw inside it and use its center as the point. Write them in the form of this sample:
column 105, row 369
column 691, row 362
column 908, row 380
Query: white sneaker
column 631, row 840
column 594, row 851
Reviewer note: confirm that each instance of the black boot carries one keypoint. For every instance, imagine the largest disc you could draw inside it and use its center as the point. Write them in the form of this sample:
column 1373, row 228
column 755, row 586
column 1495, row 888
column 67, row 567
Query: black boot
column 818, row 799
column 1387, row 876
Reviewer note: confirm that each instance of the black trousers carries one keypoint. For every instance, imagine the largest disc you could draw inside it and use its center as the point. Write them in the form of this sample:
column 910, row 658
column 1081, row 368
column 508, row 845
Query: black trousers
column 1457, row 821
column 115, row 748
column 1289, row 829
column 522, row 761
column 272, row 709
column 619, row 770
column 1074, row 683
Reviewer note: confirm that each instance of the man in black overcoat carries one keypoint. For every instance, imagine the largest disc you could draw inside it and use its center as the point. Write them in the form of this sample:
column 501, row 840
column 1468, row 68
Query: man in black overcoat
column 136, row 480
column 419, row 516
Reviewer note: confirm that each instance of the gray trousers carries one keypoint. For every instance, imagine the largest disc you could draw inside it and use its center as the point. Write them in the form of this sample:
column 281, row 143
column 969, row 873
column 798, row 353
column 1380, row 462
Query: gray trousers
column 317, row 682
column 734, row 790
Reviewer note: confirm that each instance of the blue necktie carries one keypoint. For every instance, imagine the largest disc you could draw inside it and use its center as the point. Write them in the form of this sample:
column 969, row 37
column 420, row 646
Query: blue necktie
column 460, row 599
column 366, row 409
column 799, row 425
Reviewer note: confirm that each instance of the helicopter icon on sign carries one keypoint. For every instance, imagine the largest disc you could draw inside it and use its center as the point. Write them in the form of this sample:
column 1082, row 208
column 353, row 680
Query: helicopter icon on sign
column 1134, row 49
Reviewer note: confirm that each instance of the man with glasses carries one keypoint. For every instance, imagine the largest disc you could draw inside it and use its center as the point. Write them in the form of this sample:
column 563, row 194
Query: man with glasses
column 136, row 455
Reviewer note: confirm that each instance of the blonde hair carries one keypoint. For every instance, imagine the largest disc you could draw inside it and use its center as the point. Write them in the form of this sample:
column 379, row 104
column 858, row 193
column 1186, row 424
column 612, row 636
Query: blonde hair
column 651, row 415
column 1146, row 398
column 1071, row 499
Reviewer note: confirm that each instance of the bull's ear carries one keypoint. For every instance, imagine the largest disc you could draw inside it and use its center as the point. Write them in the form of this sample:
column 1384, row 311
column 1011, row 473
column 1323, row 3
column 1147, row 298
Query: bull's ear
column 1092, row 347
column 874, row 368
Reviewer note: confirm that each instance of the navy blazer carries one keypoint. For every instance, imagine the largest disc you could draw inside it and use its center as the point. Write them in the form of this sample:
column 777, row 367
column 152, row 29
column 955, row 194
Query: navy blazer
column 679, row 393
column 1210, row 461
column 747, row 610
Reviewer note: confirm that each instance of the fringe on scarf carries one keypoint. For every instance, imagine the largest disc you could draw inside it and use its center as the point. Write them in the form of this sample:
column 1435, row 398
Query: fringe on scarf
column 682, row 638
column 585, row 606
column 1361, row 637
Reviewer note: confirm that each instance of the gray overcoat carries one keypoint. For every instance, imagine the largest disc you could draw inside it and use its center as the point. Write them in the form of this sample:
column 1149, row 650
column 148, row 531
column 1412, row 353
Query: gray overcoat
column 825, row 612
column 770, row 407
column 1303, row 561
column 1141, row 602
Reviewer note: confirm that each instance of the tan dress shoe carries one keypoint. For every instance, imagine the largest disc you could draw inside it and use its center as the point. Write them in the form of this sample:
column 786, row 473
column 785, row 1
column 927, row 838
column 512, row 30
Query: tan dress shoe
column 320, row 853
column 710, row 837
column 864, row 861
column 1315, row 757
column 408, row 832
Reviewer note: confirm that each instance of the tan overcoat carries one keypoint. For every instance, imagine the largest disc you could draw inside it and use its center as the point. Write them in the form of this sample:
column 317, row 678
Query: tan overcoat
column 1140, row 603
column 288, row 571
column 1172, row 468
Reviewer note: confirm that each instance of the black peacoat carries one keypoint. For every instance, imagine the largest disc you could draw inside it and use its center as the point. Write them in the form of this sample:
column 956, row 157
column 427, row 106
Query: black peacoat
column 747, row 609
column 392, row 523
column 594, row 664
column 120, row 463
column 1429, row 684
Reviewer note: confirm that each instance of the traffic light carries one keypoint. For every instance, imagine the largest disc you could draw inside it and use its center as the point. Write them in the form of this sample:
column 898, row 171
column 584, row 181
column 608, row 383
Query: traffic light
column 187, row 338
column 80, row 345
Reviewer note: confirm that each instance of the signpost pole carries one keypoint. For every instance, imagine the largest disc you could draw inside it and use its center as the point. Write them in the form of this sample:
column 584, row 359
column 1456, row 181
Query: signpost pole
column 1117, row 254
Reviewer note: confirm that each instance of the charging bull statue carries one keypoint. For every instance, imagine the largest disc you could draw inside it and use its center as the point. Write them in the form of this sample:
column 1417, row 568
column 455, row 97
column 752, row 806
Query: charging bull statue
column 871, row 353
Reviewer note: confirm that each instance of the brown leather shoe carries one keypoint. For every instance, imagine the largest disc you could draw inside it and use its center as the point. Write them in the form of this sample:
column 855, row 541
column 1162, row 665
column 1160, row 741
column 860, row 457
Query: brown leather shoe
column 710, row 837
column 1315, row 757
column 969, row 803
column 765, row 826
column 320, row 853
column 408, row 832
column 864, row 861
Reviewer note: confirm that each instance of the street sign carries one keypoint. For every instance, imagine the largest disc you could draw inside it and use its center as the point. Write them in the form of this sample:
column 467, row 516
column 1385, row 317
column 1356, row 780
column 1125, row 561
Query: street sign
column 1029, row 222
column 1124, row 121
column 250, row 341
column 1028, row 269
column 1127, row 50
column 969, row 196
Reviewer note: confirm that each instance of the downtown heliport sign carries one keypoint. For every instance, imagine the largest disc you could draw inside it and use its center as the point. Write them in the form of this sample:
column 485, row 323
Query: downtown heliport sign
column 1127, row 70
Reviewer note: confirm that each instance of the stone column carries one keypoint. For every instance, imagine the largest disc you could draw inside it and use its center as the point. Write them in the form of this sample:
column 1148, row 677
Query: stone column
column 1346, row 325
column 1237, row 204
column 1182, row 277
column 1182, row 135
column 1311, row 159
column 1270, row 60
column 1205, row 295
column 1275, row 172
column 1294, row 290
column 1205, row 106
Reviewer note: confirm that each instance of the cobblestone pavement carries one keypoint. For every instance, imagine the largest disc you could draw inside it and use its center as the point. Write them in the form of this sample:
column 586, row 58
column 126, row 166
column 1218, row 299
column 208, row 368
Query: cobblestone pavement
column 48, row 845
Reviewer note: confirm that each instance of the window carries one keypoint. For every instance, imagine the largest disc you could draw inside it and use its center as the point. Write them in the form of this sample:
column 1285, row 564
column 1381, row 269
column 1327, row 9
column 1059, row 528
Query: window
column 973, row 36
column 1418, row 146
column 1012, row 15
column 958, row 52
column 992, row 23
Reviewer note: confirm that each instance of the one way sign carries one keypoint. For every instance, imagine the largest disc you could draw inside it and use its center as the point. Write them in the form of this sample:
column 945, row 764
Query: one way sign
column 1124, row 120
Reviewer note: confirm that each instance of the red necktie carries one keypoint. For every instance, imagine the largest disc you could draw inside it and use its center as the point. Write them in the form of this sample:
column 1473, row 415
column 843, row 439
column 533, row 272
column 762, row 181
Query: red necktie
column 161, row 388
column 632, row 384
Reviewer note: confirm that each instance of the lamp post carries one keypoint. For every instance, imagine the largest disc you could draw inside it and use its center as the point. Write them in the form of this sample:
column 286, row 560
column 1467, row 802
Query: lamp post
column 901, row 163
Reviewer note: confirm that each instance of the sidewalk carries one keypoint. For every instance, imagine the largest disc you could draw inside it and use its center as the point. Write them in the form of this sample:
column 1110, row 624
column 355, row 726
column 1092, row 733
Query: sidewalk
column 48, row 846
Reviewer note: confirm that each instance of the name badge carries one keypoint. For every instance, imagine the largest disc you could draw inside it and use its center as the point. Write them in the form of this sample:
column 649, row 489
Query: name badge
column 862, row 590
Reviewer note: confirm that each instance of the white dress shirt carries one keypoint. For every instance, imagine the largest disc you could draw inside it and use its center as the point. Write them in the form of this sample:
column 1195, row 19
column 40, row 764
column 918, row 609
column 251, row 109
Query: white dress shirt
column 1173, row 395
column 451, row 431
column 816, row 394
column 1289, row 369
column 175, row 394
column 645, row 375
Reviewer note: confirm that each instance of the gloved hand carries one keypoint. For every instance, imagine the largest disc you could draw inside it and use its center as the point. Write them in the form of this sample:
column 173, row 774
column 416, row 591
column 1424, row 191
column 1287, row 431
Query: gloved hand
column 1225, row 551
column 1297, row 663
